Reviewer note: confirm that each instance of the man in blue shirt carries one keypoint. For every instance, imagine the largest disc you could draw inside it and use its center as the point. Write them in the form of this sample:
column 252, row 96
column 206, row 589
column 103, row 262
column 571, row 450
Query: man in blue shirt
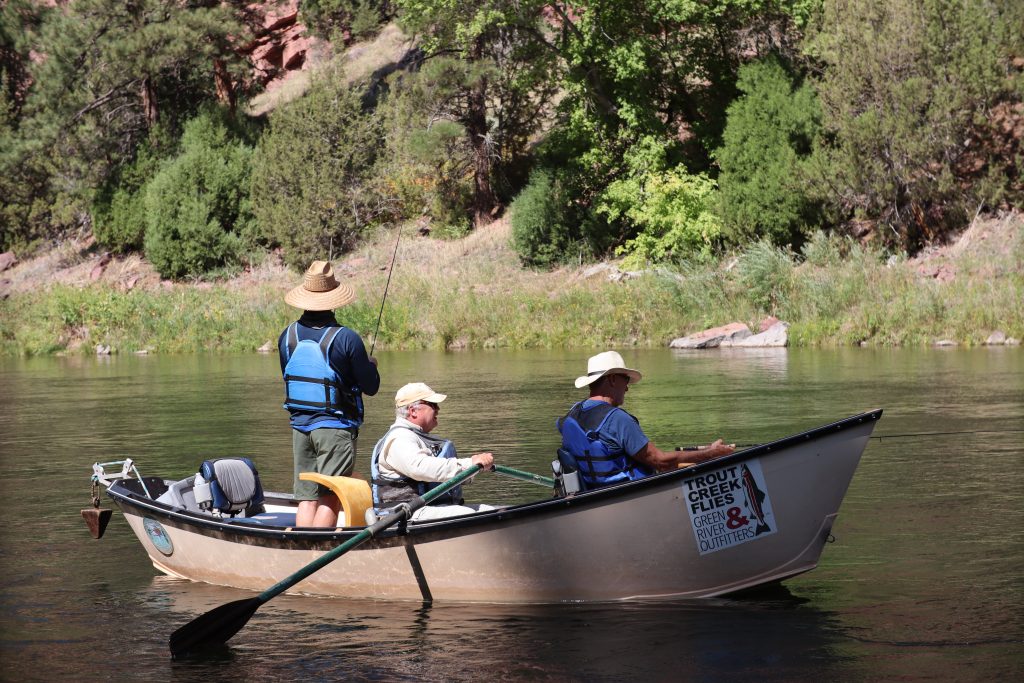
column 326, row 372
column 606, row 442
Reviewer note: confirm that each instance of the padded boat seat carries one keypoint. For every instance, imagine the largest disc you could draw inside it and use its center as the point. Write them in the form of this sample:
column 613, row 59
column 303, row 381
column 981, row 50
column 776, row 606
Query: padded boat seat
column 180, row 494
column 354, row 494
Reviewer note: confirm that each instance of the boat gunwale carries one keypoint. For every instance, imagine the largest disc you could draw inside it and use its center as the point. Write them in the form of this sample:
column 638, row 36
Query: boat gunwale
column 240, row 531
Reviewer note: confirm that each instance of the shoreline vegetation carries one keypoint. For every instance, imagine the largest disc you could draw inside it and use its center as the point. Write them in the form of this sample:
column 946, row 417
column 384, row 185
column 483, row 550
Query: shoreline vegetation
column 568, row 175
column 472, row 293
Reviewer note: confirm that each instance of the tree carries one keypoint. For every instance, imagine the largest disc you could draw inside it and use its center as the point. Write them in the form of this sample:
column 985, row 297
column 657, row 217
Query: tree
column 907, row 93
column 769, row 134
column 651, row 74
column 500, row 91
column 312, row 182
column 111, row 70
column 21, row 182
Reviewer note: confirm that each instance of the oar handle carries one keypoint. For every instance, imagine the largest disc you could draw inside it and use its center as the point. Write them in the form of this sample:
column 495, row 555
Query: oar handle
column 527, row 476
column 366, row 534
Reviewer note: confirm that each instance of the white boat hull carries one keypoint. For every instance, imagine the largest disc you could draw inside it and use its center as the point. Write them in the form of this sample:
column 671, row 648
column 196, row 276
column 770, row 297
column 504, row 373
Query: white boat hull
column 641, row 540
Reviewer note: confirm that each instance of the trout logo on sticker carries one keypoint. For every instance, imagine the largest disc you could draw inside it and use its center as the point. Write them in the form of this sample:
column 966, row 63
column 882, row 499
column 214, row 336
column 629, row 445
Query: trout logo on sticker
column 158, row 535
column 729, row 506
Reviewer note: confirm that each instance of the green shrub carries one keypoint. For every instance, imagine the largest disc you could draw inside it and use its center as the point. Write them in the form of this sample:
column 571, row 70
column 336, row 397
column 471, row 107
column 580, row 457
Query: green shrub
column 313, row 184
column 539, row 230
column 768, row 135
column 119, row 209
column 664, row 211
column 197, row 206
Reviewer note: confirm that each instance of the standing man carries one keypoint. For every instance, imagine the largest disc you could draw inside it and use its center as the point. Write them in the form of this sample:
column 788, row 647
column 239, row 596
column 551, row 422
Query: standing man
column 606, row 442
column 326, row 372
column 408, row 461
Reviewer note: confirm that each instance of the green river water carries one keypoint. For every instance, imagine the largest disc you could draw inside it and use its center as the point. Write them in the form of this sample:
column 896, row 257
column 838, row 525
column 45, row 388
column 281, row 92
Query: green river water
column 924, row 581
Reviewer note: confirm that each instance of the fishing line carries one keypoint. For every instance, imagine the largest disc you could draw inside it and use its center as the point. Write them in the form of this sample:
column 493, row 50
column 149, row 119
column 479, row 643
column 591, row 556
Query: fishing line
column 890, row 436
column 386, row 285
column 972, row 431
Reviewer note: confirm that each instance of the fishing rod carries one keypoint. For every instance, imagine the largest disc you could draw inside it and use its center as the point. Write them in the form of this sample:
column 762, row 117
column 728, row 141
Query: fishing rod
column 890, row 436
column 384, row 298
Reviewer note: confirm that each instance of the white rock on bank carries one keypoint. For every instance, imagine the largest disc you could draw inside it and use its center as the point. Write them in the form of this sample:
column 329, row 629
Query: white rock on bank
column 775, row 336
column 712, row 338
column 997, row 338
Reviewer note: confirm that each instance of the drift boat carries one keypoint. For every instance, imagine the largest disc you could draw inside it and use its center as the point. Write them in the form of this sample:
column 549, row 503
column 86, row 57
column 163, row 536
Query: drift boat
column 755, row 517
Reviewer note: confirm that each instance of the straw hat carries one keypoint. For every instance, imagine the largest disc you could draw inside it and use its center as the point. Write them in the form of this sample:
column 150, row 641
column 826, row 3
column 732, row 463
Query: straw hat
column 320, row 290
column 417, row 391
column 609, row 362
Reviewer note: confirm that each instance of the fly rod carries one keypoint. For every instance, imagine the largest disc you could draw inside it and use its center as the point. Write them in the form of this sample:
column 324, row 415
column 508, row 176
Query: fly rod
column 384, row 298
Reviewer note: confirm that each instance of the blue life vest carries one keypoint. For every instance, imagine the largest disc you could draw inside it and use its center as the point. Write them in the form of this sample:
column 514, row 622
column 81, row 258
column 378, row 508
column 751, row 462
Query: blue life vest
column 390, row 491
column 312, row 385
column 599, row 462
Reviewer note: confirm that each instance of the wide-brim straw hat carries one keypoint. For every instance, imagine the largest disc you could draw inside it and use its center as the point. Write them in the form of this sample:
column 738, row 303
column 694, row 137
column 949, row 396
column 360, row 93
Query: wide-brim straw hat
column 607, row 363
column 320, row 290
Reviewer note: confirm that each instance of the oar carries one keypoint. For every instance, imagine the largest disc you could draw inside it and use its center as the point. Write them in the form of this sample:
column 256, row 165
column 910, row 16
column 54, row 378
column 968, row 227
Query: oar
column 219, row 624
column 525, row 476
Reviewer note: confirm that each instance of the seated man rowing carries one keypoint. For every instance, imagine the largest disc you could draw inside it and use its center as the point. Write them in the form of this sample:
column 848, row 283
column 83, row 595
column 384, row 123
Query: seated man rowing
column 606, row 442
column 408, row 461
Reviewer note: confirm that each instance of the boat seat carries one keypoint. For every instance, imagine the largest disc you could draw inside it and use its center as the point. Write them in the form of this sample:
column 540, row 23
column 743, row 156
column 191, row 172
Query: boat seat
column 229, row 486
column 180, row 494
column 354, row 494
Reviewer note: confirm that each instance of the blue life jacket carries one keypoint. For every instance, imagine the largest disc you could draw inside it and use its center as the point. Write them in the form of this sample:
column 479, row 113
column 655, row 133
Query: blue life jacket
column 390, row 491
column 599, row 462
column 312, row 385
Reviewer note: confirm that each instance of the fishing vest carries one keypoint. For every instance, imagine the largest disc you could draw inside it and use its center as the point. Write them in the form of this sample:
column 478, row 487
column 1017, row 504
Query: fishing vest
column 389, row 491
column 310, row 383
column 599, row 463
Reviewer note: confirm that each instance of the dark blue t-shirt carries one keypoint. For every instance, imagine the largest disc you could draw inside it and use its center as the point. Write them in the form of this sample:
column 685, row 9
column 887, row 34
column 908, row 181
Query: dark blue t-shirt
column 347, row 357
column 620, row 429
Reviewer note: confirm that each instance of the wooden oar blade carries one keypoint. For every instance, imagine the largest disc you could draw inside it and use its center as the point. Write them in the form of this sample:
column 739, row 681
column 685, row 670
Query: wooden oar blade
column 213, row 628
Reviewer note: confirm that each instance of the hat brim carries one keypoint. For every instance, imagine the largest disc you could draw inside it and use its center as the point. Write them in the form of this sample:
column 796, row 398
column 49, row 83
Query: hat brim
column 300, row 297
column 432, row 398
column 585, row 380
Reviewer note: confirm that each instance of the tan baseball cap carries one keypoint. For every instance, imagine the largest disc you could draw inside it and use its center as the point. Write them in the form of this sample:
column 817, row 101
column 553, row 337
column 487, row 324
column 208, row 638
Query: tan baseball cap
column 417, row 391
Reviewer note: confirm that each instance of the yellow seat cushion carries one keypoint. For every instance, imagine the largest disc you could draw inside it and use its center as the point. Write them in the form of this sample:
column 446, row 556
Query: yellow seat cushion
column 354, row 494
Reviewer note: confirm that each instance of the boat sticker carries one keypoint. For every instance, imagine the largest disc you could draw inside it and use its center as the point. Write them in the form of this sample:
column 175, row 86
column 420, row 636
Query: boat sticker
column 729, row 506
column 158, row 535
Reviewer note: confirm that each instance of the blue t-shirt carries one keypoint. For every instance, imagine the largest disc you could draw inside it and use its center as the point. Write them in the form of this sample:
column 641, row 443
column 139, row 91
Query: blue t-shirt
column 348, row 358
column 620, row 430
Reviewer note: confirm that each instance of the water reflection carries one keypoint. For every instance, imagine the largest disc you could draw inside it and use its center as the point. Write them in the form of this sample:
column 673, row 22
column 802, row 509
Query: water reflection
column 775, row 635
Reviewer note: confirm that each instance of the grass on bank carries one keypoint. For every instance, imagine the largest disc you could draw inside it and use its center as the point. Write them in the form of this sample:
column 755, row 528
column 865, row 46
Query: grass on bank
column 471, row 293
